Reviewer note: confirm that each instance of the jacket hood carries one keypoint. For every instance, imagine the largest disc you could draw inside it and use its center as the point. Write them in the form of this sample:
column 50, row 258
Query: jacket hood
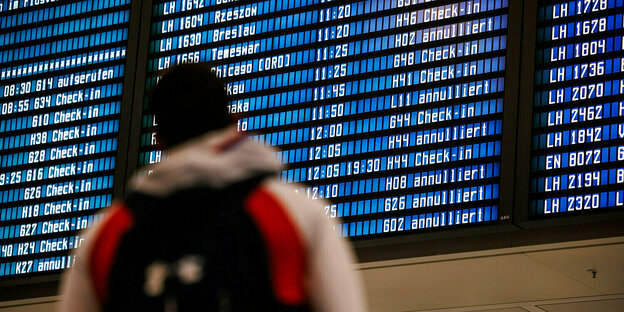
column 216, row 159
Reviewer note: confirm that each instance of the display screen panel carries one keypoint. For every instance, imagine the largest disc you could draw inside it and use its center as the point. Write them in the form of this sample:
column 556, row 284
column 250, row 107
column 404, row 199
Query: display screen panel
column 391, row 110
column 578, row 113
column 61, row 72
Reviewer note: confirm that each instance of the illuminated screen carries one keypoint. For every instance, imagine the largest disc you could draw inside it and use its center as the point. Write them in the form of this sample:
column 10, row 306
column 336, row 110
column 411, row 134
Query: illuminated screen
column 61, row 73
column 578, row 122
column 392, row 110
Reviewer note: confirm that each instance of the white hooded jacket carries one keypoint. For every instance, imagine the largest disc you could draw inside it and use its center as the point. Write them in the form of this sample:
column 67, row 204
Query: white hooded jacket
column 218, row 159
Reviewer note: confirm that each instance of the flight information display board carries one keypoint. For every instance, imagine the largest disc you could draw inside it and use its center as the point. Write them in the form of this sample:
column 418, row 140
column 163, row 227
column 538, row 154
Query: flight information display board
column 578, row 113
column 61, row 74
column 392, row 110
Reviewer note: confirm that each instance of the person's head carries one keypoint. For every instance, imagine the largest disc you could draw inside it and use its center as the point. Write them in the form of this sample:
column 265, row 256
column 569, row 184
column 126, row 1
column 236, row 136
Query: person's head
column 189, row 100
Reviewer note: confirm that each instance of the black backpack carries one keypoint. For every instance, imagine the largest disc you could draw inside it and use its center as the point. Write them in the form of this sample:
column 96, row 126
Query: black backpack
column 196, row 250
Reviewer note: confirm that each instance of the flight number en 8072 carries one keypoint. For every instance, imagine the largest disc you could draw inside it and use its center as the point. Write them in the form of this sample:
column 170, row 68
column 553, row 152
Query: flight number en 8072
column 578, row 158
column 582, row 158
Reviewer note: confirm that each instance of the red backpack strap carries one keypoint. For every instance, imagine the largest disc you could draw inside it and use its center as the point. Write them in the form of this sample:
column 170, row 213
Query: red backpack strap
column 287, row 258
column 114, row 226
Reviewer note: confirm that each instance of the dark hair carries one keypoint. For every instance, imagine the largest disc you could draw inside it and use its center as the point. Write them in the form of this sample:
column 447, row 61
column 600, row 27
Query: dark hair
column 188, row 101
